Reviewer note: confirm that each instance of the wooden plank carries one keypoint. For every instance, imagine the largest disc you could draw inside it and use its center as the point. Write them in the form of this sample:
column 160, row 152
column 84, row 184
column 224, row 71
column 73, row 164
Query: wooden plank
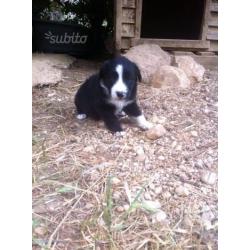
column 182, row 53
column 173, row 43
column 138, row 17
column 128, row 15
column 118, row 24
column 213, row 23
column 205, row 53
column 213, row 16
column 205, row 20
column 212, row 35
column 128, row 3
column 213, row 46
column 214, row 7
column 126, row 43
column 128, row 30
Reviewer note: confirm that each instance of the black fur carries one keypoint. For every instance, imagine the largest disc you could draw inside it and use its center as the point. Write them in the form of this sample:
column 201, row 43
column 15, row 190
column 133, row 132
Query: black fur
column 94, row 96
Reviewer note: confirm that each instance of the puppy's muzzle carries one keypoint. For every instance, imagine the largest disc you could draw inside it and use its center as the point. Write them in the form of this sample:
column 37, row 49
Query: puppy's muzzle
column 121, row 95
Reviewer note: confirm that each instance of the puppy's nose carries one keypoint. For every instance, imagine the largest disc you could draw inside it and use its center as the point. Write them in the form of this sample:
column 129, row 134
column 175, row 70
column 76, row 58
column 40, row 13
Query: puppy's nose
column 120, row 94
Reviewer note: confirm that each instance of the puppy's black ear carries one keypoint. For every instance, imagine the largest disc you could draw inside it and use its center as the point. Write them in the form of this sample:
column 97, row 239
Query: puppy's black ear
column 101, row 72
column 138, row 73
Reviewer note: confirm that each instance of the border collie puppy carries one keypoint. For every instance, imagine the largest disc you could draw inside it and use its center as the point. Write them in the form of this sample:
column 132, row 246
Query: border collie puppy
column 111, row 92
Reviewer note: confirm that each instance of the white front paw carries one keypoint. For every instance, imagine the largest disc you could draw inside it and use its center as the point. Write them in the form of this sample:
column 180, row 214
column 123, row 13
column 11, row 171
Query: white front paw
column 120, row 133
column 81, row 116
column 146, row 125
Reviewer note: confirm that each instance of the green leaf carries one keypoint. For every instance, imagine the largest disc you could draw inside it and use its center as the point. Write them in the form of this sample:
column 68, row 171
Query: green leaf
column 35, row 223
column 148, row 208
column 65, row 190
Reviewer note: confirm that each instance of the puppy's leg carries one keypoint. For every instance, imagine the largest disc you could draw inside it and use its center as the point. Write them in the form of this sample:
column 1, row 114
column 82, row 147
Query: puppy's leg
column 136, row 115
column 80, row 113
column 111, row 121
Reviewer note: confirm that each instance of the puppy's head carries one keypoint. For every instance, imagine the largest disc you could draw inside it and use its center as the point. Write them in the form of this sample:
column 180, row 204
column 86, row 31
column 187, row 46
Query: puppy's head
column 118, row 78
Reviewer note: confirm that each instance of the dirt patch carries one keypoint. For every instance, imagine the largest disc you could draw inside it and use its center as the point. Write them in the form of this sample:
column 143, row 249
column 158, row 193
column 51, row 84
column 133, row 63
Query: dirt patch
column 76, row 202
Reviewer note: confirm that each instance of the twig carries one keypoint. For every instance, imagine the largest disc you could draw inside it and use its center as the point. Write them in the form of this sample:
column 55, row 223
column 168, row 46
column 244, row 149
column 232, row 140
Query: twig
column 63, row 220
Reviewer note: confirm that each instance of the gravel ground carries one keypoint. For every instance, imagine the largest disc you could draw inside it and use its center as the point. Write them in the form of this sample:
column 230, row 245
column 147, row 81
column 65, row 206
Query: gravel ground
column 94, row 190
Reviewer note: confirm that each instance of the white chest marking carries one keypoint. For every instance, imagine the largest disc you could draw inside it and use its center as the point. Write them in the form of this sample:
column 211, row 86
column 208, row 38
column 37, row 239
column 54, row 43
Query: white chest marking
column 119, row 104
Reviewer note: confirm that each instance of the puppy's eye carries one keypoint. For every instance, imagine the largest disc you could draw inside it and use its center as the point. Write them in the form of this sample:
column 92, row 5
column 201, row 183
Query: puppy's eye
column 127, row 77
column 112, row 77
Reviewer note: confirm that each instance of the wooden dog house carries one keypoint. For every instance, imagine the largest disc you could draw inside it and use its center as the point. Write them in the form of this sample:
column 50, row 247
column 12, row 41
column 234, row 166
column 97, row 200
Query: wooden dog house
column 177, row 25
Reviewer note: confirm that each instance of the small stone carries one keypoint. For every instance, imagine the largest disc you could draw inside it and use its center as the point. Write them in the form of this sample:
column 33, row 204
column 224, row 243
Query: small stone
column 158, row 190
column 89, row 149
column 151, row 186
column 141, row 157
column 139, row 150
column 156, row 132
column 194, row 133
column 120, row 134
column 199, row 163
column 160, row 119
column 40, row 230
column 147, row 196
column 88, row 206
column 159, row 216
column 161, row 158
column 182, row 191
column 174, row 143
column 126, row 207
column 167, row 195
column 51, row 94
column 209, row 178
column 207, row 213
column 120, row 209
column 187, row 222
column 183, row 176
column 140, row 153
column 115, row 181
column 206, row 110
column 152, row 204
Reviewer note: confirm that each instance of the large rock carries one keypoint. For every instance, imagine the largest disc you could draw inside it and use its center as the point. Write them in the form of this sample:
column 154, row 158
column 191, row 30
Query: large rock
column 148, row 57
column 193, row 70
column 169, row 76
column 46, row 68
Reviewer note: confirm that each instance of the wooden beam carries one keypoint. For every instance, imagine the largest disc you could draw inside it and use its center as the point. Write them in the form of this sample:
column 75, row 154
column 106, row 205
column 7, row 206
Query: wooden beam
column 214, row 7
column 126, row 43
column 205, row 53
column 204, row 26
column 213, row 45
column 213, row 23
column 128, row 3
column 118, row 24
column 128, row 30
column 128, row 15
column 212, row 35
column 173, row 43
column 138, row 17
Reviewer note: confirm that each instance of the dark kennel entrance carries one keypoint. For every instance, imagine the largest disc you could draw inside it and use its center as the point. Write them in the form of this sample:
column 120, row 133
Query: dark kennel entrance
column 174, row 19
